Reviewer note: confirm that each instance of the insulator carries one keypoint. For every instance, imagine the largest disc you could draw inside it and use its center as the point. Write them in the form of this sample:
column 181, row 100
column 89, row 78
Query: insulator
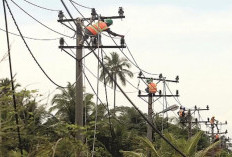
column 120, row 11
column 160, row 92
column 177, row 92
column 61, row 15
column 140, row 73
column 95, row 41
column 61, row 41
column 93, row 13
column 160, row 76
column 177, row 78
column 208, row 119
column 139, row 92
column 226, row 131
column 196, row 120
column 225, row 122
column 195, row 107
column 122, row 41
column 207, row 107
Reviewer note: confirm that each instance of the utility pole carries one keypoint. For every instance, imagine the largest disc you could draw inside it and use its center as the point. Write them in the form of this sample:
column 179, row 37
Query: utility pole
column 189, row 119
column 79, row 23
column 79, row 82
column 214, row 124
column 150, row 111
column 150, row 101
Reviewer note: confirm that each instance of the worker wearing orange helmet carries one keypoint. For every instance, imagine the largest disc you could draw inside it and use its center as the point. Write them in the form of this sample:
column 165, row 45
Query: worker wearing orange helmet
column 95, row 29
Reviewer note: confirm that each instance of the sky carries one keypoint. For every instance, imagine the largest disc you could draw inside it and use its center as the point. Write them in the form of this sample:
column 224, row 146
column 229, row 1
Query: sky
column 190, row 39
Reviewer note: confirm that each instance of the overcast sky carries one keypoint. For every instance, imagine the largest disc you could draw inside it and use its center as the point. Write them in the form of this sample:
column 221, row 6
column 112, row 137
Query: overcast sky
column 191, row 39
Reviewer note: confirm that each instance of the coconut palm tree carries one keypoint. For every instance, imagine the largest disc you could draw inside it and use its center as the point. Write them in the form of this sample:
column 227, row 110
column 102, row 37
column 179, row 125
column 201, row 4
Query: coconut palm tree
column 64, row 104
column 188, row 147
column 118, row 68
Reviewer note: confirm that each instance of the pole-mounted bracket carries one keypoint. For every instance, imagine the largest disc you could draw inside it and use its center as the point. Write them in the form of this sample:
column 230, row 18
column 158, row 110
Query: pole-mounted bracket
column 80, row 47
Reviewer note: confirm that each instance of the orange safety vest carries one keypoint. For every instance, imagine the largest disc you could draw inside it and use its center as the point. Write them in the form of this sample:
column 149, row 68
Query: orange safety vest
column 152, row 88
column 217, row 136
column 97, row 27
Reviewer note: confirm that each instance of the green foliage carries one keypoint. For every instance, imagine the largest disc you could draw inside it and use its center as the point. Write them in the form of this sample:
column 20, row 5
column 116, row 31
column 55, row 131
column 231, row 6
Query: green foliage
column 53, row 133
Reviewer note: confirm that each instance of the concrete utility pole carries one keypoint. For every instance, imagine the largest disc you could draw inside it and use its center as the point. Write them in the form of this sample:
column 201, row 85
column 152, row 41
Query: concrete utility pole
column 79, row 82
column 150, row 111
column 189, row 119
column 150, row 102
column 79, row 56
column 149, row 128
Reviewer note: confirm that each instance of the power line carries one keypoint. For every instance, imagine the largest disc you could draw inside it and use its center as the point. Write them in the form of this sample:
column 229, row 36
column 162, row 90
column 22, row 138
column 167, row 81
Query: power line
column 76, row 8
column 107, row 85
column 29, row 37
column 12, row 81
column 177, row 100
column 40, row 6
column 40, row 22
column 96, row 109
column 134, row 63
column 80, row 5
column 30, row 49
column 144, row 117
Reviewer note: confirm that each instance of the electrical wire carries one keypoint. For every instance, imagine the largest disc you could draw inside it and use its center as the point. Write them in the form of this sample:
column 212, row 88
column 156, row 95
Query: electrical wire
column 137, row 63
column 41, row 6
column 80, row 5
column 40, row 22
column 103, row 82
column 29, row 37
column 128, row 58
column 136, row 108
column 96, row 105
column 153, row 127
column 30, row 49
column 177, row 100
column 76, row 8
column 100, row 99
column 134, row 63
column 12, row 81
column 107, row 102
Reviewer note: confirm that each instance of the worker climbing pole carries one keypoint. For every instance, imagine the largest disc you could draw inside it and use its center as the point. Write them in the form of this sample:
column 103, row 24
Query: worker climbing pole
column 151, row 91
column 186, row 117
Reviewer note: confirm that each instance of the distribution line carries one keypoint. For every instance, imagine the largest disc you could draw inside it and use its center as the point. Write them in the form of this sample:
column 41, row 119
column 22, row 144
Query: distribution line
column 40, row 6
column 177, row 100
column 29, row 37
column 107, row 102
column 128, row 58
column 40, row 22
column 144, row 117
column 30, row 49
column 135, row 64
column 128, row 81
column 107, row 85
column 76, row 8
column 12, row 81
column 80, row 5
column 99, row 98
column 96, row 108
